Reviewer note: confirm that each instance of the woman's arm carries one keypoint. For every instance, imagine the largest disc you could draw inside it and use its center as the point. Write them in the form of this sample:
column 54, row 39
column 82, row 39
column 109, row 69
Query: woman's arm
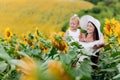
column 102, row 39
column 101, row 44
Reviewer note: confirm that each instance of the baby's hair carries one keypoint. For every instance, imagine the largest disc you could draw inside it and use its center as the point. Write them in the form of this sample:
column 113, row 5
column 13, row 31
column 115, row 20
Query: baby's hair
column 75, row 15
column 75, row 18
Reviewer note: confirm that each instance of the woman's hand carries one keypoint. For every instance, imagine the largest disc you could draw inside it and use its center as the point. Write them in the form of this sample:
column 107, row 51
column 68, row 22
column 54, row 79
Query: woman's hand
column 97, row 46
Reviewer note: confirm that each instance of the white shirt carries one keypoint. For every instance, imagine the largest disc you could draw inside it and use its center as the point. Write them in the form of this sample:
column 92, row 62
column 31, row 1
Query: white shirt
column 88, row 47
column 74, row 35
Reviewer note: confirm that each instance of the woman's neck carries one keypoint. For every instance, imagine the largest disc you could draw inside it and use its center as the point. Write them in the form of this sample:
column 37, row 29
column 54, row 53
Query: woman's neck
column 89, row 37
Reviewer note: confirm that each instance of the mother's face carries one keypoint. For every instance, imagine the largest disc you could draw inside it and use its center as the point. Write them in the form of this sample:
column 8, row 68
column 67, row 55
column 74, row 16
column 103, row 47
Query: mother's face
column 90, row 27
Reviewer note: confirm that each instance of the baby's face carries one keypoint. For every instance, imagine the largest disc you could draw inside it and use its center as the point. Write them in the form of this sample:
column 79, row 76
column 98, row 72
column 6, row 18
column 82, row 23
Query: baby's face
column 73, row 25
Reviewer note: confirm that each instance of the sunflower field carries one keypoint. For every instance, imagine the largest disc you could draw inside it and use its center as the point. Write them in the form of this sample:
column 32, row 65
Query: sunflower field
column 37, row 57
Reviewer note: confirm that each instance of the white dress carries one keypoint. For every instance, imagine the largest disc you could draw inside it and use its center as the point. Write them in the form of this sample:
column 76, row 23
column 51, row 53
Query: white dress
column 74, row 35
column 88, row 46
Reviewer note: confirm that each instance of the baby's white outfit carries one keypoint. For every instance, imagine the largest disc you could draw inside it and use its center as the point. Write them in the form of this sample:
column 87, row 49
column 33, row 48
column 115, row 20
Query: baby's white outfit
column 74, row 35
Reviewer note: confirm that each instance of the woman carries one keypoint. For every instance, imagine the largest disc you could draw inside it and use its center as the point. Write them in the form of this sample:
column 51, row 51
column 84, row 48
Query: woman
column 93, row 40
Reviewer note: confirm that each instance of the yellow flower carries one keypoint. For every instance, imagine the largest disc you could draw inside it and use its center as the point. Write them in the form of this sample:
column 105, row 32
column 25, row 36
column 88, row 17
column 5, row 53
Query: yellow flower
column 119, row 40
column 30, row 42
column 61, row 33
column 28, row 69
column 116, row 29
column 8, row 33
column 36, row 31
column 108, row 28
column 17, row 47
column 40, row 46
column 113, row 21
column 119, row 37
column 56, row 69
column 44, row 49
column 24, row 39
column 107, row 21
column 59, row 43
column 33, row 46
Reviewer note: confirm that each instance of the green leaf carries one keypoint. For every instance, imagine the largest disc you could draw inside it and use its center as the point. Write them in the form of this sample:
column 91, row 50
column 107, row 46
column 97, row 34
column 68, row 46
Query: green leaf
column 22, row 53
column 109, row 69
column 82, row 72
column 3, row 66
column 82, row 30
column 3, row 54
column 118, row 67
column 115, row 54
column 65, row 58
column 76, row 44
column 53, row 51
column 85, row 68
column 72, row 54
column 117, row 76
column 86, row 78
column 76, row 72
column 35, row 51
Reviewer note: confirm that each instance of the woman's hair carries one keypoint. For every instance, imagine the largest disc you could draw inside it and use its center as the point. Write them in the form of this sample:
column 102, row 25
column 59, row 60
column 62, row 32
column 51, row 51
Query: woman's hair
column 96, row 34
column 75, row 18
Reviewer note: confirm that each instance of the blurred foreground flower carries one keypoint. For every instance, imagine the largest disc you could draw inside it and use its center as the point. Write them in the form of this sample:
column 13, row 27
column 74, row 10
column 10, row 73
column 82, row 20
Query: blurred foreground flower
column 57, row 71
column 28, row 69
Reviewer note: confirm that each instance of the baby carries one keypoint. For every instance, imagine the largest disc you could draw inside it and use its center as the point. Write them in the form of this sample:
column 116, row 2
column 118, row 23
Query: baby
column 73, row 32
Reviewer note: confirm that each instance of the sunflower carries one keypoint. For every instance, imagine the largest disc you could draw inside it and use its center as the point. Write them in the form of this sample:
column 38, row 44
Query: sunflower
column 28, row 69
column 8, row 33
column 61, row 33
column 36, row 32
column 119, row 37
column 108, row 29
column 30, row 42
column 43, row 47
column 24, row 39
column 56, row 69
column 60, row 44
